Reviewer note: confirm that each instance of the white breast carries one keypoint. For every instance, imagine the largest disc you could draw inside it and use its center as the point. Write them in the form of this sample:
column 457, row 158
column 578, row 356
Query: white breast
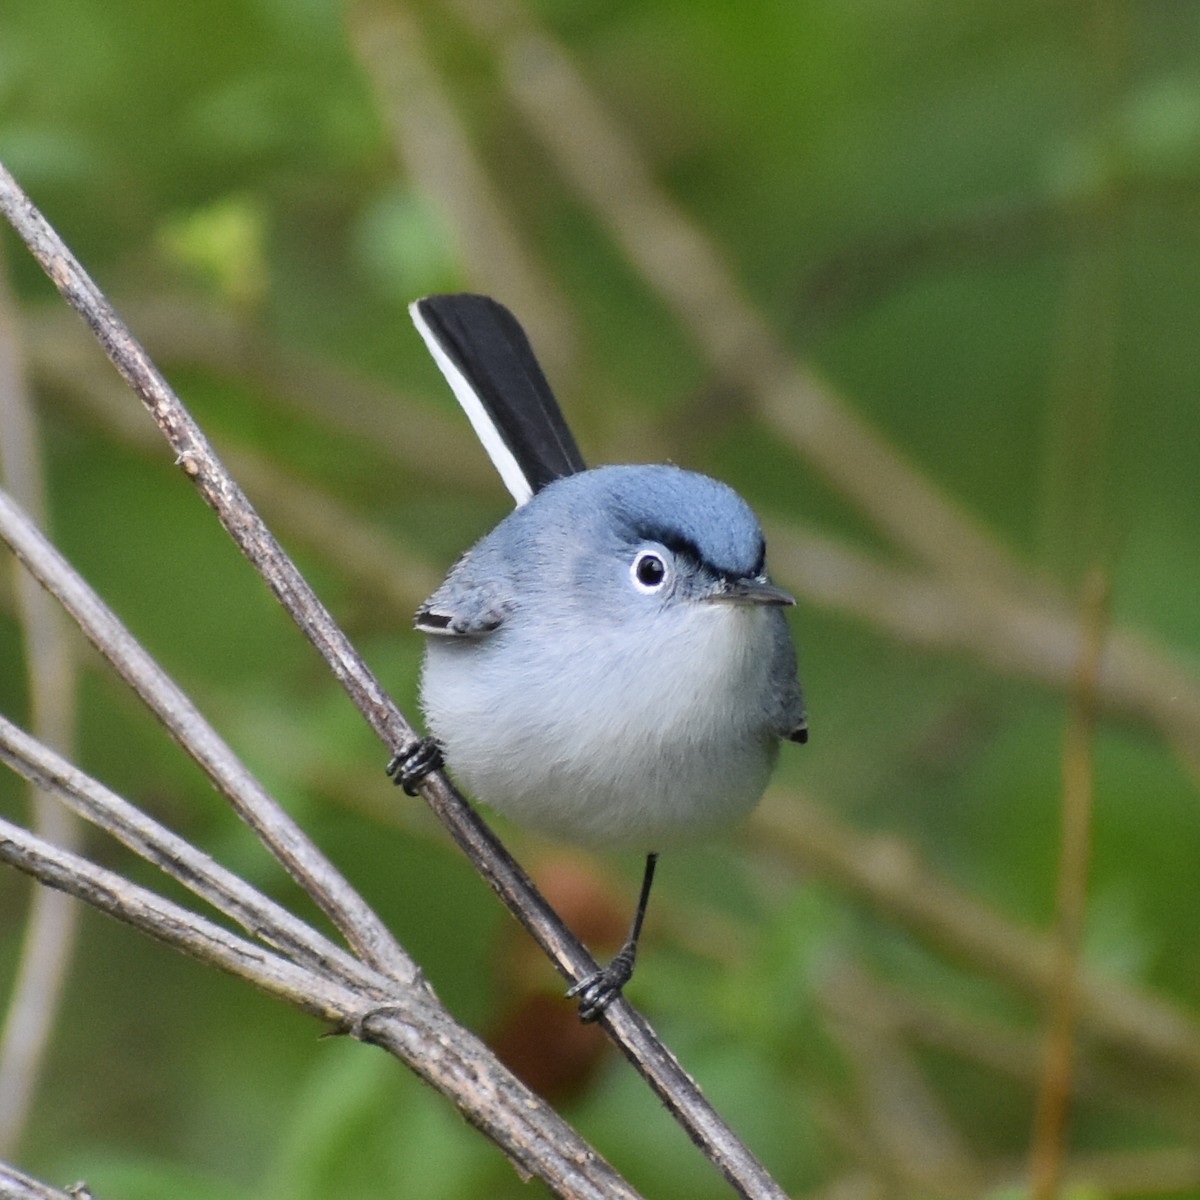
column 638, row 743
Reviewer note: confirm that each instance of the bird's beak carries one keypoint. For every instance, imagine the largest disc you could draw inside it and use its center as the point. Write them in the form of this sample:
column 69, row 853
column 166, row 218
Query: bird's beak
column 750, row 591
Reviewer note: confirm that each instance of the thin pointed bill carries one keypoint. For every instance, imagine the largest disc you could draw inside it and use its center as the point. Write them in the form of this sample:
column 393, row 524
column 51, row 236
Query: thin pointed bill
column 750, row 591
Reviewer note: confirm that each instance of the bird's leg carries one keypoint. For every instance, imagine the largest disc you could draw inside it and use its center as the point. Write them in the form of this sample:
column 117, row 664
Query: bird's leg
column 598, row 990
column 410, row 766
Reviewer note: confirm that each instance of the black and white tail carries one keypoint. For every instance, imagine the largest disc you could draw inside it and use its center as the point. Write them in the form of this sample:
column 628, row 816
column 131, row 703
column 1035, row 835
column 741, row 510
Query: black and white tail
column 485, row 356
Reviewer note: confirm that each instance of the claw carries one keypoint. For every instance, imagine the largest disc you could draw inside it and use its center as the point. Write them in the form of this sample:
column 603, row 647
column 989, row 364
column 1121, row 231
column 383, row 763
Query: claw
column 597, row 991
column 409, row 767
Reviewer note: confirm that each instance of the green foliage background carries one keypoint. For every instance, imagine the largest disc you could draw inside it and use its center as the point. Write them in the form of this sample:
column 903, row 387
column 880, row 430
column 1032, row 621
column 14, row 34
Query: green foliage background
column 979, row 224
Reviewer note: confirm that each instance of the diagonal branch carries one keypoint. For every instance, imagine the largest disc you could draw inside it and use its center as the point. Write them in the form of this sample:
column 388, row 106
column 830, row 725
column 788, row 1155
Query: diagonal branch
column 631, row 1033
column 16, row 1185
column 171, row 923
column 200, row 874
column 405, row 1019
column 890, row 877
column 361, row 927
column 679, row 261
column 49, row 939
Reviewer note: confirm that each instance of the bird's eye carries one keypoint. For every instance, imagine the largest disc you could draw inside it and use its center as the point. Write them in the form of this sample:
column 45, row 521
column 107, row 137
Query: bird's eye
column 649, row 571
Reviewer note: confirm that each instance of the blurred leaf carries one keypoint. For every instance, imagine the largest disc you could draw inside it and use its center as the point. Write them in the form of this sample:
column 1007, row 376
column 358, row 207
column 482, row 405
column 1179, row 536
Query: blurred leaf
column 224, row 244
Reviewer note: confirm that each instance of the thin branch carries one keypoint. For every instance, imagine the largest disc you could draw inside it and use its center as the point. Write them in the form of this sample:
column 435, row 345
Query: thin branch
column 405, row 1021
column 362, row 928
column 892, row 878
column 433, row 145
column 15, row 1185
column 259, row 916
column 168, row 922
column 680, row 262
column 1048, row 1150
column 49, row 940
column 632, row 1034
column 350, row 913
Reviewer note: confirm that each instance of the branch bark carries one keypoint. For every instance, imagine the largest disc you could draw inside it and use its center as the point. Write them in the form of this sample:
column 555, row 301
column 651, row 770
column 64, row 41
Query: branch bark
column 891, row 878
column 679, row 261
column 308, row 972
column 361, row 927
column 15, row 1185
column 631, row 1033
column 50, row 666
column 406, row 1021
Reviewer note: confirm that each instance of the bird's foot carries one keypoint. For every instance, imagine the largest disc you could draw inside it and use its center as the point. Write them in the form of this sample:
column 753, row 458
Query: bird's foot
column 410, row 766
column 598, row 990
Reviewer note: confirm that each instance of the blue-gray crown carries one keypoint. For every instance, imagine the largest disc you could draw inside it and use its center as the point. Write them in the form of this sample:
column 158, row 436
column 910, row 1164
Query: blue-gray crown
column 683, row 510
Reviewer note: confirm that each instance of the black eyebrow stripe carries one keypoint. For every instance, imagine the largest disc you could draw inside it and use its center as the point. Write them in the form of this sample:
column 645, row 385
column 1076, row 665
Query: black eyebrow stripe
column 680, row 545
column 675, row 542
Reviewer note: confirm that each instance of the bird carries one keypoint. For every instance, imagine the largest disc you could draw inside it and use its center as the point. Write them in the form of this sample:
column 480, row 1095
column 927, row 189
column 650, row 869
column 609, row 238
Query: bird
column 611, row 664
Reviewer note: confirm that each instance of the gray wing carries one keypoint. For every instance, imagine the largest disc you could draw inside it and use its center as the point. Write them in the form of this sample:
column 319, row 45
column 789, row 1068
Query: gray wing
column 799, row 732
column 794, row 726
column 791, row 715
column 463, row 607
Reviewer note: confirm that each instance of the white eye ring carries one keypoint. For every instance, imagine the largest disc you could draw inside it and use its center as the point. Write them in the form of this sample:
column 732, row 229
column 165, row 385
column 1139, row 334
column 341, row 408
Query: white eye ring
column 649, row 572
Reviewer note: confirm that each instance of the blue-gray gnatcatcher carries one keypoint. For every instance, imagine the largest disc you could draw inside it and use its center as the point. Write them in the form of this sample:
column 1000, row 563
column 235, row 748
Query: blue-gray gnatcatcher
column 611, row 664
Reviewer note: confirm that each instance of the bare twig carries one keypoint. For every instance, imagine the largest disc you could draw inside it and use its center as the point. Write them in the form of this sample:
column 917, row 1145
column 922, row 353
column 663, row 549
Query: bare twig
column 1048, row 1150
column 379, row 998
column 225, row 891
column 403, row 1020
column 637, row 1041
column 681, row 263
column 51, row 925
column 362, row 928
column 434, row 146
column 14, row 1185
column 890, row 876
column 169, row 922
